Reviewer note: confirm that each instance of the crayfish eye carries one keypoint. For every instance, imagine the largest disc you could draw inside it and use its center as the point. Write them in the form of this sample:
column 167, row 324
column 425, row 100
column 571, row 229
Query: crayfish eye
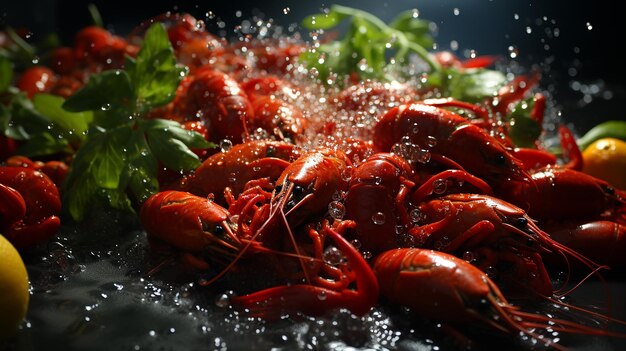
column 298, row 191
column 521, row 222
column 218, row 230
column 609, row 190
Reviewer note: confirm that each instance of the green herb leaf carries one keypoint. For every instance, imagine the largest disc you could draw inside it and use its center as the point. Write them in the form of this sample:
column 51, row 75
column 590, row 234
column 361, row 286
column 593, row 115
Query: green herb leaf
column 96, row 171
column 156, row 75
column 523, row 130
column 51, row 107
column 38, row 135
column 472, row 85
column 140, row 174
column 171, row 144
column 415, row 29
column 368, row 45
column 109, row 89
column 322, row 20
column 6, row 73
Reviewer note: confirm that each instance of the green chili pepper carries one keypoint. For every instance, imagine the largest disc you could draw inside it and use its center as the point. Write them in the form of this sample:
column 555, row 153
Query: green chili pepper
column 608, row 129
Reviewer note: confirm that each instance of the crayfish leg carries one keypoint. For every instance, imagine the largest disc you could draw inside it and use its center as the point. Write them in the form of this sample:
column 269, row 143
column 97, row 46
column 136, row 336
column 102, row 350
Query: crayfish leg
column 314, row 300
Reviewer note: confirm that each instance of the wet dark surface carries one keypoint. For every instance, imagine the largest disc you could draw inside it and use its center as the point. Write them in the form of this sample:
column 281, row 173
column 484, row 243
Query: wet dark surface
column 93, row 292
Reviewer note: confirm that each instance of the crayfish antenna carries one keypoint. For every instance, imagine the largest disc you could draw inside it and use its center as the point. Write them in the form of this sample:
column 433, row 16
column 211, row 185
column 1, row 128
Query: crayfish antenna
column 315, row 300
column 524, row 322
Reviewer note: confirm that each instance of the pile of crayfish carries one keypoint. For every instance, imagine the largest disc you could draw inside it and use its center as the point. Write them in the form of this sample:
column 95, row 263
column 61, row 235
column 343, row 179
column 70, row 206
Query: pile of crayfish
column 378, row 189
column 355, row 193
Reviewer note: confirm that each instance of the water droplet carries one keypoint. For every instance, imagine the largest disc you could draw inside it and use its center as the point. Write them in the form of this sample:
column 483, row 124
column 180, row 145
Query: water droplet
column 322, row 295
column 491, row 272
column 589, row 26
column 226, row 145
column 378, row 218
column 440, row 186
column 336, row 209
column 529, row 30
column 431, row 141
column 513, row 51
column 415, row 215
column 423, row 156
column 286, row 10
column 456, row 11
column 105, row 107
column 332, row 256
column 223, row 301
column 454, row 45
column 356, row 243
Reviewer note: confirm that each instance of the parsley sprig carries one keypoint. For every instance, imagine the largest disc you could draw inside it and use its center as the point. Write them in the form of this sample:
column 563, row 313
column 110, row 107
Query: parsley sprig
column 368, row 44
column 370, row 47
column 117, row 163
column 41, row 125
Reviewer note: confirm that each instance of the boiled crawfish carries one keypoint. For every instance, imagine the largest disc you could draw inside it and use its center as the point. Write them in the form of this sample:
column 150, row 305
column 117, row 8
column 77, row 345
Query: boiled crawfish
column 29, row 206
column 445, row 288
column 451, row 140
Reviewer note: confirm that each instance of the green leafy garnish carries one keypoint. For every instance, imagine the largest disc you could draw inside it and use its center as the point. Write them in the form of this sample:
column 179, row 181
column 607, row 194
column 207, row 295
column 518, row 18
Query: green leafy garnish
column 39, row 135
column 41, row 125
column 523, row 129
column 96, row 18
column 6, row 73
column 117, row 164
column 368, row 44
column 75, row 123
column 472, row 85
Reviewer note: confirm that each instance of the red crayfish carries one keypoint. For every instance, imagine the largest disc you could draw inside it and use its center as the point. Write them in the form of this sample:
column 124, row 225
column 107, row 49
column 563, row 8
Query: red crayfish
column 29, row 206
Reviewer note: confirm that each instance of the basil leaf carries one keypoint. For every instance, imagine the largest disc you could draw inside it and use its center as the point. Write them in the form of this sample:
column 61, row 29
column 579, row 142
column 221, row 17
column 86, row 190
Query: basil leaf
column 156, row 74
column 478, row 84
column 42, row 145
column 368, row 45
column 6, row 73
column 109, row 89
column 38, row 135
column 172, row 152
column 51, row 107
column 523, row 129
column 5, row 119
column 96, row 171
column 322, row 20
column 366, row 41
column 79, row 198
column 24, row 120
column 140, row 173
column 472, row 85
column 415, row 29
column 108, row 165
column 190, row 138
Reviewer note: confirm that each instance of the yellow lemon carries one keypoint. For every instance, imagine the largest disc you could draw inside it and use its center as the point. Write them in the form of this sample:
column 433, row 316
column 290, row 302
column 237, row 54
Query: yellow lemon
column 606, row 159
column 14, row 294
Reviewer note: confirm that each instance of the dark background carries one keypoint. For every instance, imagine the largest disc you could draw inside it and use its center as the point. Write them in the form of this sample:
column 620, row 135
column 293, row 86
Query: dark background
column 560, row 38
